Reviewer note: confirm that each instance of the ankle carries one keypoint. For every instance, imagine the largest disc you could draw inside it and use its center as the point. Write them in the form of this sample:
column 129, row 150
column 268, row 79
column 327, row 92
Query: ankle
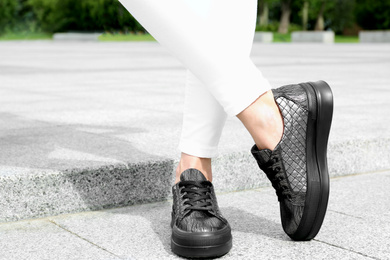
column 263, row 121
column 188, row 161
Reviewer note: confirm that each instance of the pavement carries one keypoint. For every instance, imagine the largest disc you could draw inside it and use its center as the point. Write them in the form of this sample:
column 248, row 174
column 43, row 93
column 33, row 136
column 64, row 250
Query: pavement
column 92, row 126
column 356, row 226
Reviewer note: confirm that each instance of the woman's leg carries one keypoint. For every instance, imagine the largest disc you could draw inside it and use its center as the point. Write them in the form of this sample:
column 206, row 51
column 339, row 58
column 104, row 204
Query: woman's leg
column 198, row 33
column 203, row 120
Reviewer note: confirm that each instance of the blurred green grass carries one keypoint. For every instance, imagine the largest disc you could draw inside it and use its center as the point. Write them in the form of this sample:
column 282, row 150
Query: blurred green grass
column 25, row 36
column 125, row 37
column 346, row 39
column 279, row 38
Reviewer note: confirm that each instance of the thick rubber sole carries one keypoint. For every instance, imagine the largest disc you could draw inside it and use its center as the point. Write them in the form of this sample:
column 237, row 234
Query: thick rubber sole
column 320, row 103
column 201, row 244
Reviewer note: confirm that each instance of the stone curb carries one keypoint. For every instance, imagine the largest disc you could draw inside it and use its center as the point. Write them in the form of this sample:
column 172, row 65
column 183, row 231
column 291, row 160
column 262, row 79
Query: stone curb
column 76, row 36
column 313, row 36
column 263, row 37
column 376, row 36
column 42, row 194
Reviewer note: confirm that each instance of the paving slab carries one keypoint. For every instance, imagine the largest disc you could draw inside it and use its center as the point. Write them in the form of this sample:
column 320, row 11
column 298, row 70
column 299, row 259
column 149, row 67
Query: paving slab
column 358, row 219
column 92, row 125
column 355, row 227
column 43, row 239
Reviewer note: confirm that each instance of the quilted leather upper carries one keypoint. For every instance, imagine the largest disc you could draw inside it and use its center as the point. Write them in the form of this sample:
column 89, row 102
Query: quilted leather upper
column 285, row 166
column 292, row 102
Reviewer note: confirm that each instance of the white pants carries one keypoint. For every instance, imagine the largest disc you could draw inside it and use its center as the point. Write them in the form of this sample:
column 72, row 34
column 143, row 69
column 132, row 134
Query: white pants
column 213, row 39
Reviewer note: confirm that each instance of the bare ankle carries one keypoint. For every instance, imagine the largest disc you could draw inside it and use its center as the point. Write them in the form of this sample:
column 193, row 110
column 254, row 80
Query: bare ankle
column 188, row 161
column 263, row 121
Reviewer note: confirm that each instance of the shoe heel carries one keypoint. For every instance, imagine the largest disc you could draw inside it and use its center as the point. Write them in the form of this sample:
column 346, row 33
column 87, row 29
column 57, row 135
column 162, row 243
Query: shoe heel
column 324, row 120
column 324, row 115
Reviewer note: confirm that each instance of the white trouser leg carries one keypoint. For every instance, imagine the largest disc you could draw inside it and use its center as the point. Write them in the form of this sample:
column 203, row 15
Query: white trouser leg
column 203, row 120
column 212, row 38
column 206, row 36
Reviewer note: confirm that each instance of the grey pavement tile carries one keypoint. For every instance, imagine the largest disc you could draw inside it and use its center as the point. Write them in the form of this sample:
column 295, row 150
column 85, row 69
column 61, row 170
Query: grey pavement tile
column 368, row 237
column 358, row 215
column 43, row 240
column 249, row 246
column 366, row 197
column 143, row 231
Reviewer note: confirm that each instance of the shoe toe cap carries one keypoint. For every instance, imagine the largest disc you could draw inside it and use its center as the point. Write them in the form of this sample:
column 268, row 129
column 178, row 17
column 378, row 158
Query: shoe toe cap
column 200, row 221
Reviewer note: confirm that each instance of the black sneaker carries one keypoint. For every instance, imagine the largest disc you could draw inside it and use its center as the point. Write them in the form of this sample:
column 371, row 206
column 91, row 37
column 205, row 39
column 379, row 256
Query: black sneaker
column 198, row 228
column 297, row 167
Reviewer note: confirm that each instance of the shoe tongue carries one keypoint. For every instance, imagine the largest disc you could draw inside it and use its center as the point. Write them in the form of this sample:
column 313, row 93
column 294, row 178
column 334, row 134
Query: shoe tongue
column 192, row 175
column 262, row 156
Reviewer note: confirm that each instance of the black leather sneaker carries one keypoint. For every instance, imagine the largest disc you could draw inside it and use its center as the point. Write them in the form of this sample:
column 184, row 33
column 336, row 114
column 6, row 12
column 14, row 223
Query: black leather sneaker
column 297, row 167
column 198, row 228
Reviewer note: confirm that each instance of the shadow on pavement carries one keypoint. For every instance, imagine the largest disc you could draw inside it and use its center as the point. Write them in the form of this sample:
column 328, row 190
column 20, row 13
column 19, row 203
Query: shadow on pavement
column 159, row 217
column 246, row 222
column 71, row 168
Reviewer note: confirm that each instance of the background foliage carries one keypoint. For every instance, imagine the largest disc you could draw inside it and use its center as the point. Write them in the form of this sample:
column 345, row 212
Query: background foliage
column 371, row 14
column 110, row 16
column 82, row 15
column 8, row 13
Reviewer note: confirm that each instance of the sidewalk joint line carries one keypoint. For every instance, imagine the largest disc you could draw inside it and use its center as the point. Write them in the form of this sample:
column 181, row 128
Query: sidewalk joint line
column 359, row 174
column 350, row 250
column 345, row 214
column 75, row 234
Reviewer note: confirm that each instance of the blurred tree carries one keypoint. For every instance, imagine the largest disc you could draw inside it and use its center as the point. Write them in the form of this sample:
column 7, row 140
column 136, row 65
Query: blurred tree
column 268, row 14
column 265, row 12
column 85, row 15
column 262, row 12
column 8, row 13
column 320, row 16
column 372, row 14
column 110, row 15
column 285, row 16
column 315, row 13
column 341, row 17
column 26, row 15
column 305, row 14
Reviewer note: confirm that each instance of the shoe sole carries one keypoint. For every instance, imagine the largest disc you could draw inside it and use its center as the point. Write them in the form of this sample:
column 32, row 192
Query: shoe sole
column 319, row 121
column 201, row 244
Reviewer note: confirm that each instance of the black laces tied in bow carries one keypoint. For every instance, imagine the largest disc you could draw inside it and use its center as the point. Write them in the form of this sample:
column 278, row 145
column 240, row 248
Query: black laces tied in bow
column 196, row 195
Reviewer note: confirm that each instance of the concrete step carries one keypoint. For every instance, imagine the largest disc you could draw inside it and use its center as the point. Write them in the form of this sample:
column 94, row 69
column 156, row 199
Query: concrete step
column 47, row 193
